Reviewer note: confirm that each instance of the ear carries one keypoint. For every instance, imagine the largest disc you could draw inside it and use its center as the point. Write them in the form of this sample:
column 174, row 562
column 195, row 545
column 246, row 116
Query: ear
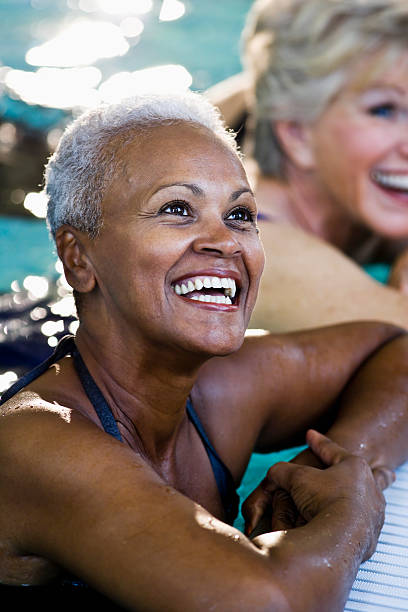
column 71, row 249
column 296, row 140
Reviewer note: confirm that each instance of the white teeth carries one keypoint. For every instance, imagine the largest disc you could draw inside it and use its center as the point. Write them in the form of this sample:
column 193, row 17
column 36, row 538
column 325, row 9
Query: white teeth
column 212, row 299
column 396, row 181
column 214, row 282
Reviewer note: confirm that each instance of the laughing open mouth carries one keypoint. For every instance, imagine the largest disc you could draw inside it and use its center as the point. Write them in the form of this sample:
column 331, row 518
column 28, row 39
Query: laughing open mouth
column 210, row 289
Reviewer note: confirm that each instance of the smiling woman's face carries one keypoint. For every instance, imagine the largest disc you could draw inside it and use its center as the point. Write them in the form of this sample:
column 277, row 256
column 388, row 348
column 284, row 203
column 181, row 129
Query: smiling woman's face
column 360, row 147
column 178, row 260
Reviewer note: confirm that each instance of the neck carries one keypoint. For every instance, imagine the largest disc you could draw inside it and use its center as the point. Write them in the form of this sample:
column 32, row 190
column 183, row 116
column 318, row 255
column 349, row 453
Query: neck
column 147, row 391
column 301, row 200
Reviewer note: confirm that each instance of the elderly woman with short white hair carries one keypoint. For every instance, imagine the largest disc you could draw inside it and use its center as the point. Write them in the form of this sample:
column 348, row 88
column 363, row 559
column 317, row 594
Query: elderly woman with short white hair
column 120, row 455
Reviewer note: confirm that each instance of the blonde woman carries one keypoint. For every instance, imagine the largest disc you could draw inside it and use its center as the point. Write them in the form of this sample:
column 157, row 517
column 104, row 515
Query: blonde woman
column 326, row 96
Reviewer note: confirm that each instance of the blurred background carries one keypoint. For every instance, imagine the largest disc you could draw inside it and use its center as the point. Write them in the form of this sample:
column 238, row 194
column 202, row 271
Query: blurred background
column 58, row 57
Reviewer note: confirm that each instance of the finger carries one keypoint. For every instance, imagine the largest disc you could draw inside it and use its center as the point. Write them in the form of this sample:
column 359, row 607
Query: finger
column 328, row 451
column 383, row 476
column 256, row 504
column 285, row 514
column 281, row 474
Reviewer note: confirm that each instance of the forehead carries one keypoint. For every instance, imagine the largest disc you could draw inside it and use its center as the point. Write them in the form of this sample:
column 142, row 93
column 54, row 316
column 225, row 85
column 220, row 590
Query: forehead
column 174, row 152
column 388, row 66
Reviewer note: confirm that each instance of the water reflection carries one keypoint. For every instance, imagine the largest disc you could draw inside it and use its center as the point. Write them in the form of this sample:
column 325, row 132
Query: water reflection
column 32, row 320
column 116, row 7
column 36, row 203
column 82, row 42
column 63, row 88
column 160, row 78
column 171, row 10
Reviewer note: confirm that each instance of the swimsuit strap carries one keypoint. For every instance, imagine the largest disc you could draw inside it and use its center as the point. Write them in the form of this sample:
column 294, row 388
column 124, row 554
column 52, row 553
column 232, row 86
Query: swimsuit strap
column 222, row 474
column 95, row 396
column 63, row 347
column 67, row 346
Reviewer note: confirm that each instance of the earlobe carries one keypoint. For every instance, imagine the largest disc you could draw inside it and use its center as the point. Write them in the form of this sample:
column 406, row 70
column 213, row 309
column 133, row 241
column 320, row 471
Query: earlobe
column 296, row 140
column 77, row 266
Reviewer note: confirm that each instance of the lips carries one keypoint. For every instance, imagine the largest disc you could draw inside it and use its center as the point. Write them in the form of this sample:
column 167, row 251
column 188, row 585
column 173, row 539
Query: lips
column 208, row 289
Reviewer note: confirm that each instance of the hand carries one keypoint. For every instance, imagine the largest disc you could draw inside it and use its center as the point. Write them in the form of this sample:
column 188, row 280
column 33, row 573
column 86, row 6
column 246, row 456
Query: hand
column 298, row 493
column 399, row 273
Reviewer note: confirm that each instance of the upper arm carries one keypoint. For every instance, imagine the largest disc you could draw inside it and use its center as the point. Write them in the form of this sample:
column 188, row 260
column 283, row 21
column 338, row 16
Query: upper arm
column 230, row 96
column 76, row 496
column 288, row 382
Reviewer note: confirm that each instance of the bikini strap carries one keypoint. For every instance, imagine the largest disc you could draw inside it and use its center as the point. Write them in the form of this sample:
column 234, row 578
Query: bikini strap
column 63, row 347
column 95, row 396
column 222, row 474
column 66, row 345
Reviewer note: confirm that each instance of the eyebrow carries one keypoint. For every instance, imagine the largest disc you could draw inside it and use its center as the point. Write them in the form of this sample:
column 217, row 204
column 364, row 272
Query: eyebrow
column 376, row 85
column 197, row 191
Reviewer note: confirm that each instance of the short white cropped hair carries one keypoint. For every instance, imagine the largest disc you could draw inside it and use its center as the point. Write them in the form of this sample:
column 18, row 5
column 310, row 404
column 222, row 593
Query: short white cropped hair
column 85, row 161
column 299, row 54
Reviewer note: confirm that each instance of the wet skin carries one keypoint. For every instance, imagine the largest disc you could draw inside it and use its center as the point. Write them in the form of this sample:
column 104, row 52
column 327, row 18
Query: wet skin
column 189, row 212
column 131, row 517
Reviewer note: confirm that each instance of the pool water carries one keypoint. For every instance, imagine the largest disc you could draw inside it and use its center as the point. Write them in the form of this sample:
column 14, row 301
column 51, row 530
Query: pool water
column 25, row 249
column 256, row 470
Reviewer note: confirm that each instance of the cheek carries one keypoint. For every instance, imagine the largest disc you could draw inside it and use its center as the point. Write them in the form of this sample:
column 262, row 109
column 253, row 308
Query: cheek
column 256, row 261
column 352, row 144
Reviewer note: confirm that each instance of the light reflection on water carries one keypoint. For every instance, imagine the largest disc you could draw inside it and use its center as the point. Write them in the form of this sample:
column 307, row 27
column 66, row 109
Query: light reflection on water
column 116, row 7
column 171, row 10
column 78, row 44
column 67, row 78
column 32, row 320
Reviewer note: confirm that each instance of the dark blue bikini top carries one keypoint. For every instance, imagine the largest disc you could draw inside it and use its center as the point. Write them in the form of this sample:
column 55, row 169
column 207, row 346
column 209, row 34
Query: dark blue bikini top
column 66, row 345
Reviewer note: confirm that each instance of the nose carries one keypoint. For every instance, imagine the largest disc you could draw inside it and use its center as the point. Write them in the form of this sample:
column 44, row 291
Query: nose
column 217, row 239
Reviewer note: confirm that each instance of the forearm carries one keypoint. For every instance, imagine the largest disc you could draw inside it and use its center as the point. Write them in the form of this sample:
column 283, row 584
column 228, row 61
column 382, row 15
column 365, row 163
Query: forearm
column 372, row 418
column 318, row 562
column 230, row 97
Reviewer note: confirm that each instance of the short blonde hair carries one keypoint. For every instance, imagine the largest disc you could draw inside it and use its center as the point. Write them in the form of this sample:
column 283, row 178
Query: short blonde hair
column 298, row 53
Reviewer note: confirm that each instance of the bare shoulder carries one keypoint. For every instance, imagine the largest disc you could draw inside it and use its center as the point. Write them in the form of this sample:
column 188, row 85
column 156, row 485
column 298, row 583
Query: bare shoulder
column 52, row 460
column 308, row 283
column 101, row 511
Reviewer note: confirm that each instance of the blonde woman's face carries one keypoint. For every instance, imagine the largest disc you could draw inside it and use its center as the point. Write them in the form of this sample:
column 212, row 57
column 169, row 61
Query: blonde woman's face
column 360, row 148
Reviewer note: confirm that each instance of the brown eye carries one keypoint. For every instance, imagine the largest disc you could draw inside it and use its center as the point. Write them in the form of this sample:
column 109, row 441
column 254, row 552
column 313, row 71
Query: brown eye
column 178, row 208
column 241, row 214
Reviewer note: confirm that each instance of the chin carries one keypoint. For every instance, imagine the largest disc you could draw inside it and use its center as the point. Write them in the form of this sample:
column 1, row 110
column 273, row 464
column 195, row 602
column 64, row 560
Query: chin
column 218, row 347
